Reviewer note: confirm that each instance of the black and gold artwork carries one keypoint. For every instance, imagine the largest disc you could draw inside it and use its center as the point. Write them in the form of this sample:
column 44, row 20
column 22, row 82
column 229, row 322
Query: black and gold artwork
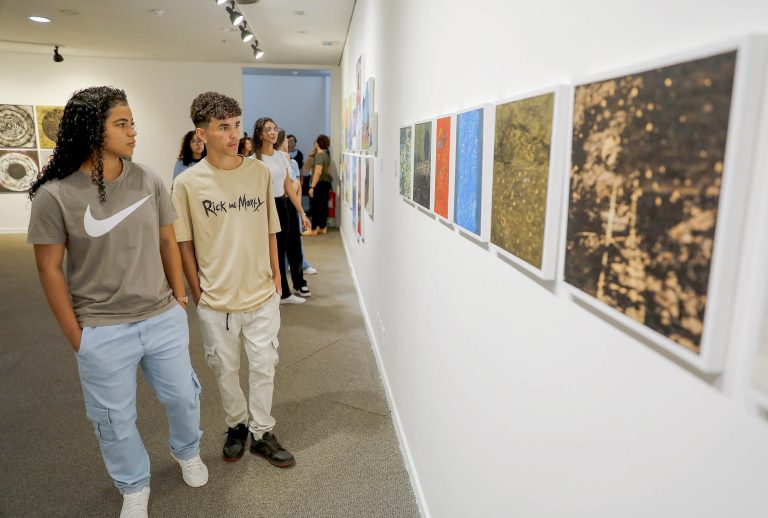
column 647, row 166
column 48, row 119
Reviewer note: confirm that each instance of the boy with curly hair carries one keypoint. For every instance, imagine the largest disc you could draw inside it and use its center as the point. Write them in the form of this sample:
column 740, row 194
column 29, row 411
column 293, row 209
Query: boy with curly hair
column 226, row 233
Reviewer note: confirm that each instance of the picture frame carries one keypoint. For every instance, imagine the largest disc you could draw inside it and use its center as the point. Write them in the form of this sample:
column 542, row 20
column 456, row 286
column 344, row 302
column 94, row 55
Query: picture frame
column 742, row 125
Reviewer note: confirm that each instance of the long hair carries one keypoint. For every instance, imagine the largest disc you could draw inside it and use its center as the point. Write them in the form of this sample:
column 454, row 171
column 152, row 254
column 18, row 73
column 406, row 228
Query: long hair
column 80, row 136
column 257, row 129
column 185, row 153
column 280, row 139
column 241, row 145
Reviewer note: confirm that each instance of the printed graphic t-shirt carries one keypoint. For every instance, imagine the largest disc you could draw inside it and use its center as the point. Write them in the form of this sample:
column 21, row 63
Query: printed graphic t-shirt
column 114, row 269
column 228, row 214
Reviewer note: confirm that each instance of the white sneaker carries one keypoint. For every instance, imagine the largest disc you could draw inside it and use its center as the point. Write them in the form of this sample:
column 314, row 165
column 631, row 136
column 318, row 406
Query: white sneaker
column 292, row 299
column 194, row 471
column 310, row 271
column 135, row 504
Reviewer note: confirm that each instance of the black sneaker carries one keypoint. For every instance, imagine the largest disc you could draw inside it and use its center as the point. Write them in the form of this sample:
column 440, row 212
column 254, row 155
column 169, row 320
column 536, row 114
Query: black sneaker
column 235, row 445
column 304, row 291
column 270, row 449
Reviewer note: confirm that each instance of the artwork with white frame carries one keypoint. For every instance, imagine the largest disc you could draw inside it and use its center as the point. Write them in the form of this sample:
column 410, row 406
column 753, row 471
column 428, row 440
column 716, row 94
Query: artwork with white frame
column 473, row 170
column 527, row 183
column 445, row 157
column 632, row 131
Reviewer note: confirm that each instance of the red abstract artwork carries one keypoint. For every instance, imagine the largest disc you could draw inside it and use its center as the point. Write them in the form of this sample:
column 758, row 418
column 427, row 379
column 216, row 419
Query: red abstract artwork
column 442, row 165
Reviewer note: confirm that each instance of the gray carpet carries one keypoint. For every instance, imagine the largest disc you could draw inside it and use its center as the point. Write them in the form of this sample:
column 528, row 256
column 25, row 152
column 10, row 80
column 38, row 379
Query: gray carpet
column 329, row 404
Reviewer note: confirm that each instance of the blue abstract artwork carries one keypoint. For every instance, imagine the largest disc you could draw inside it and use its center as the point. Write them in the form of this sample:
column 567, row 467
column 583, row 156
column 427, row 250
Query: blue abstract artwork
column 469, row 170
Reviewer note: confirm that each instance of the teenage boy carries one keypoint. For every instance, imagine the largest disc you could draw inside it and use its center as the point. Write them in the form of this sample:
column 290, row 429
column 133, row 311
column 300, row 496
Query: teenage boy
column 226, row 233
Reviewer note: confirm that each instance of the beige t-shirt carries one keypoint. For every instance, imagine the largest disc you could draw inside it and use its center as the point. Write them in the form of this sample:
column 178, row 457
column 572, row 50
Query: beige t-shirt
column 229, row 216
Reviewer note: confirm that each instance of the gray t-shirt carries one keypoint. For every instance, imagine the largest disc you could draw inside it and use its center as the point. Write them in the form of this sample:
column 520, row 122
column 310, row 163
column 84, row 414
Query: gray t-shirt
column 114, row 269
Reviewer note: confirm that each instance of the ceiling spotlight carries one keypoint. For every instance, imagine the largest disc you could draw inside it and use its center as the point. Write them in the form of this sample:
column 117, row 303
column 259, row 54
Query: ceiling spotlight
column 235, row 16
column 257, row 52
column 221, row 2
column 39, row 19
column 58, row 58
column 245, row 33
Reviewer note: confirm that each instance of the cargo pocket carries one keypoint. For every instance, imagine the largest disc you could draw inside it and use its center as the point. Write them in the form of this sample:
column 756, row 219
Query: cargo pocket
column 275, row 355
column 198, row 388
column 102, row 423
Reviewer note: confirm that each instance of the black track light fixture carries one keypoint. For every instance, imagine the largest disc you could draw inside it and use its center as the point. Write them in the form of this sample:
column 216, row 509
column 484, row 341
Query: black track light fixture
column 245, row 34
column 257, row 52
column 58, row 58
column 235, row 16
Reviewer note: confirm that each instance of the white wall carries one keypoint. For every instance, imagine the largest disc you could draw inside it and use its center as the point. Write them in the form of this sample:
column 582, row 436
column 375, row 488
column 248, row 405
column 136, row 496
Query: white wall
column 510, row 399
column 296, row 102
column 159, row 92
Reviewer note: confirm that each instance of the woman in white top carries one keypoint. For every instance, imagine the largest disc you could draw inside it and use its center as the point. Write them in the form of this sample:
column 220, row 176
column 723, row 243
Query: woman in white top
column 265, row 134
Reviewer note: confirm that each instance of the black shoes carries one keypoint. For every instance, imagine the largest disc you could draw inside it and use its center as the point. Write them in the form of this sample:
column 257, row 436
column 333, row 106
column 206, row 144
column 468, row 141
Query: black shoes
column 235, row 445
column 270, row 449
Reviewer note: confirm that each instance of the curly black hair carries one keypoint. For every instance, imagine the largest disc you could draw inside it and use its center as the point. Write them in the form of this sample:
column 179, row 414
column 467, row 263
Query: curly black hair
column 257, row 129
column 185, row 153
column 210, row 105
column 81, row 135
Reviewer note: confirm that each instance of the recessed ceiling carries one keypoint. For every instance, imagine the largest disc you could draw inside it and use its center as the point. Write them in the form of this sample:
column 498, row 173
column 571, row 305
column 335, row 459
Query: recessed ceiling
column 179, row 30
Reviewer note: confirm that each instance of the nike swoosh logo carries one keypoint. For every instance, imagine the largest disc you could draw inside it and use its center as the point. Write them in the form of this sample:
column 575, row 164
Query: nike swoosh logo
column 98, row 227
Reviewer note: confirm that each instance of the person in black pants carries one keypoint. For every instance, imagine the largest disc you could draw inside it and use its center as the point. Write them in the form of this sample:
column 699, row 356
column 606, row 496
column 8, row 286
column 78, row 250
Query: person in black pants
column 320, row 186
column 265, row 138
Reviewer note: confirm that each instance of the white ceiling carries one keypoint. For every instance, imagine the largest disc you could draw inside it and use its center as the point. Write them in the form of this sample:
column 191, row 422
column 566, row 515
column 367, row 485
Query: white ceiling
column 188, row 30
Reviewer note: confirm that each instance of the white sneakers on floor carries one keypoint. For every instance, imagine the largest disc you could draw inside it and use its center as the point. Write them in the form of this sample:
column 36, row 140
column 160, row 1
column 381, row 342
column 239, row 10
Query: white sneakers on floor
column 310, row 271
column 195, row 474
column 194, row 471
column 135, row 504
column 292, row 299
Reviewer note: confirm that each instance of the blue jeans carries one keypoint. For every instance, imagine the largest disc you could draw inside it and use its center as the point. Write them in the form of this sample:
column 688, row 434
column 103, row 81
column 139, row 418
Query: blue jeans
column 107, row 362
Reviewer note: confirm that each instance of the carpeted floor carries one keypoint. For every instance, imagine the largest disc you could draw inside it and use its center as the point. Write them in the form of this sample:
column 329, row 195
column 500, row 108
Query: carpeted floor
column 329, row 404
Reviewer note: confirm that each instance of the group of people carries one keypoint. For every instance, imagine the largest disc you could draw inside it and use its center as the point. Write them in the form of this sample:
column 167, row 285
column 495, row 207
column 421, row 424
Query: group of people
column 228, row 225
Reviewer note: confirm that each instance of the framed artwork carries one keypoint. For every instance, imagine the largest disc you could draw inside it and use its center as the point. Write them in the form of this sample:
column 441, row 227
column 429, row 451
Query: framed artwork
column 373, row 134
column 406, row 162
column 528, row 161
column 656, row 191
column 359, row 201
column 355, row 166
column 48, row 119
column 444, row 158
column 17, row 126
column 423, row 164
column 473, row 160
column 369, row 182
column 365, row 113
column 18, row 170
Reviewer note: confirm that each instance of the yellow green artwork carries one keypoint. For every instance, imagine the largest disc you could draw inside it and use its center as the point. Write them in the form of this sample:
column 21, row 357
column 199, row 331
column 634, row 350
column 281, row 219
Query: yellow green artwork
column 521, row 176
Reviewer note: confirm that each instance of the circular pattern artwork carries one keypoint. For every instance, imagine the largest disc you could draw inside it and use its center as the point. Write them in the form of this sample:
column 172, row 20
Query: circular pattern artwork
column 17, row 172
column 17, row 128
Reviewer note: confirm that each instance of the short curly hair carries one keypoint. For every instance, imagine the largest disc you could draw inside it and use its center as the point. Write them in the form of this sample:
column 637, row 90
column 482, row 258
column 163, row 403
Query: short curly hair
column 213, row 105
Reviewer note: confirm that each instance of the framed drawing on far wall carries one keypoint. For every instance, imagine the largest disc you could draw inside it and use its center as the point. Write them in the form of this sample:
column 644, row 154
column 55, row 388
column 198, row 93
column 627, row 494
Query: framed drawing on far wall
column 423, row 164
column 474, row 153
column 661, row 159
column 528, row 163
column 406, row 162
column 444, row 163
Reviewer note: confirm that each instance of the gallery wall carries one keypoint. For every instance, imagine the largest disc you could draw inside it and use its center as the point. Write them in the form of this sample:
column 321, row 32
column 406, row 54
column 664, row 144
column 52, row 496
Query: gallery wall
column 159, row 92
column 510, row 398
